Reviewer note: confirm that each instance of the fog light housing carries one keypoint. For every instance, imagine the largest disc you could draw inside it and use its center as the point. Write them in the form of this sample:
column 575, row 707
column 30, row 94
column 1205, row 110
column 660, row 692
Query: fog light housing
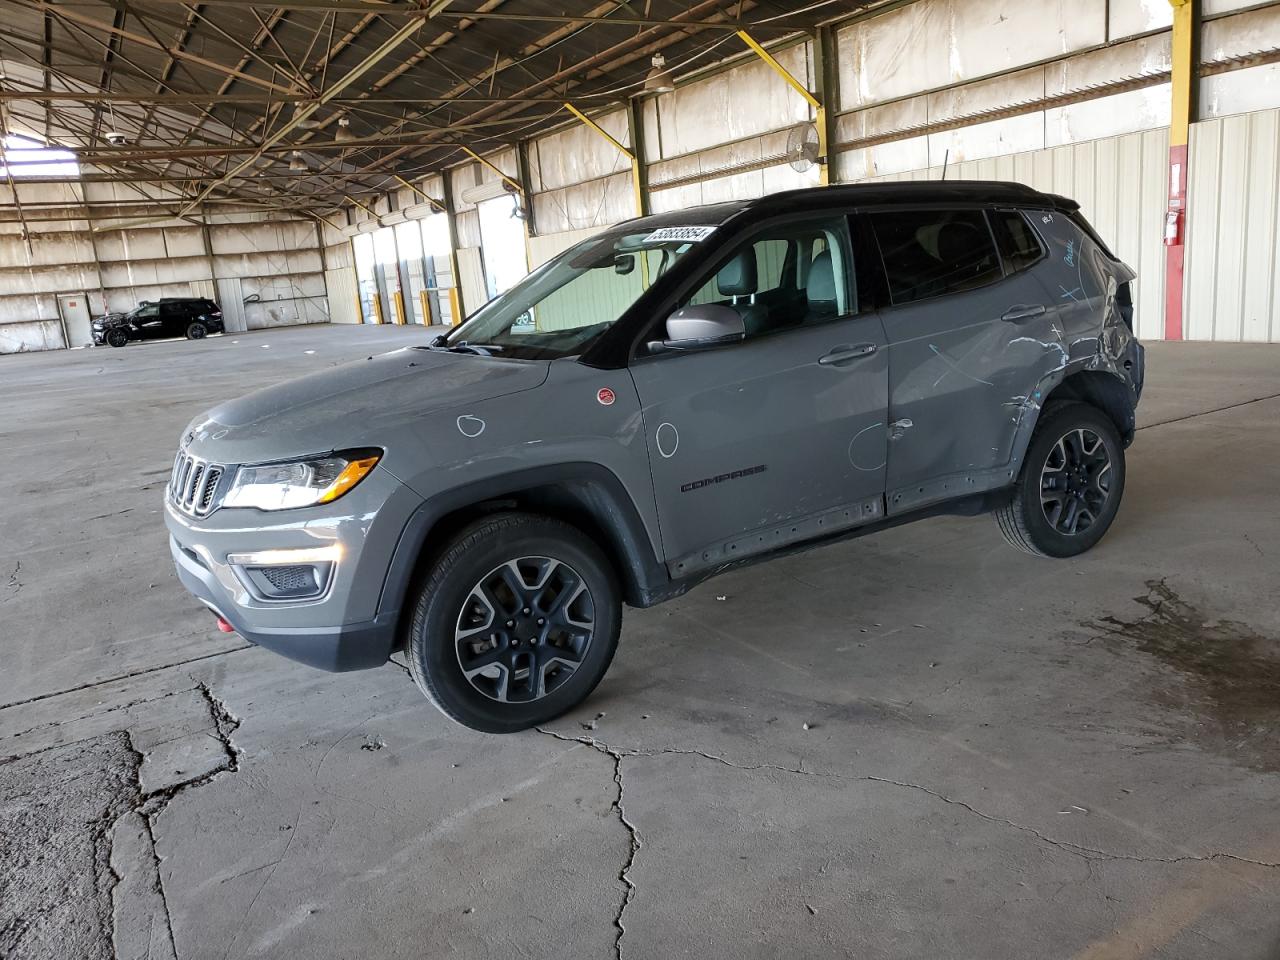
column 297, row 574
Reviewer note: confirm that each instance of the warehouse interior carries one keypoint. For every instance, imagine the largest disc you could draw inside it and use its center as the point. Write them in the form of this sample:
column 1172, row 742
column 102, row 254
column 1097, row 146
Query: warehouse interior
column 910, row 744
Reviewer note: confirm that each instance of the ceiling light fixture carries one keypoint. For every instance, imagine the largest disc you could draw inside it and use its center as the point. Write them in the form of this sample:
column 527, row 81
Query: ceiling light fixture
column 343, row 134
column 658, row 79
column 309, row 121
column 297, row 164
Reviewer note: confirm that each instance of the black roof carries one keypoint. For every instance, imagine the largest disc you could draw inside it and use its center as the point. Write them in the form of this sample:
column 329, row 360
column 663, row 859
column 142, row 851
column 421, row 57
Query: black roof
column 864, row 194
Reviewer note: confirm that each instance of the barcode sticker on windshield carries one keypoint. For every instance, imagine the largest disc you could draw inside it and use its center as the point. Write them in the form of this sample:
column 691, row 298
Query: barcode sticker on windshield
column 666, row 234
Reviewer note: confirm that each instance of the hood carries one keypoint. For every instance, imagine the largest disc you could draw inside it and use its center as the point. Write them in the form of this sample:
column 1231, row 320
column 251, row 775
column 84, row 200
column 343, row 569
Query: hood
column 360, row 404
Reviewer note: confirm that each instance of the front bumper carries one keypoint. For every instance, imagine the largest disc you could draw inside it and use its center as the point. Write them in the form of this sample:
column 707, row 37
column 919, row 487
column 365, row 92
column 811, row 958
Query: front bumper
column 348, row 626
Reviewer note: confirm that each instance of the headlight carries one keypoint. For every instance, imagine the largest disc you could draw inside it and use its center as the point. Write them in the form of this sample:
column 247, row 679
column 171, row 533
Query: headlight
column 299, row 483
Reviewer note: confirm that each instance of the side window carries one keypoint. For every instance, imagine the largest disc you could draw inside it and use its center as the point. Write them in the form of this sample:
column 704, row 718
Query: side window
column 929, row 253
column 1019, row 246
column 786, row 276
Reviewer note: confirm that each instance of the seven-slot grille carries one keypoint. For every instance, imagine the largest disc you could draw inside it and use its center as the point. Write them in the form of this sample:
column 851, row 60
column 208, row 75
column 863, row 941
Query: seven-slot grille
column 193, row 484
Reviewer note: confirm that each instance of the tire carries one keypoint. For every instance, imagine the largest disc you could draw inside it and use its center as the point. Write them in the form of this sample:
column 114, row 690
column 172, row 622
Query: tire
column 469, row 611
column 196, row 330
column 1075, row 457
column 117, row 337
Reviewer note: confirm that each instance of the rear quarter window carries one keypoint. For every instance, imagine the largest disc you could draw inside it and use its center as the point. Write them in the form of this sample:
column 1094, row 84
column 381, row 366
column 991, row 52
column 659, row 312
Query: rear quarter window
column 931, row 253
column 1019, row 244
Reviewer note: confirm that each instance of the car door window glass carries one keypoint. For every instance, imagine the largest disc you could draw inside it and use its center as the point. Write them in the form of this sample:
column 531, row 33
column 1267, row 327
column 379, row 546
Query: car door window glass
column 929, row 253
column 790, row 275
column 1019, row 246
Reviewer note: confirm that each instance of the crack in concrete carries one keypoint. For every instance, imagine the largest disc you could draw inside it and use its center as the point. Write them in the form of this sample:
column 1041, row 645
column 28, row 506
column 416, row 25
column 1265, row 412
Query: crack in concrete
column 1091, row 854
column 149, row 806
column 53, row 724
column 123, row 676
column 633, row 834
column 1205, row 413
column 14, row 583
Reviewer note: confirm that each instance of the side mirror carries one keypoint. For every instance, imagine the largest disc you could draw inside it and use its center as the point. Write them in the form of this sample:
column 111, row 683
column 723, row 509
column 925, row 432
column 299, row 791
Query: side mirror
column 702, row 324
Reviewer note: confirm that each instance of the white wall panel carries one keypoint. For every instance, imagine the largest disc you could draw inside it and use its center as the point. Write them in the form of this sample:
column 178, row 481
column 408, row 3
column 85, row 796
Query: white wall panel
column 933, row 44
column 1232, row 271
column 344, row 304
column 1120, row 185
column 543, row 248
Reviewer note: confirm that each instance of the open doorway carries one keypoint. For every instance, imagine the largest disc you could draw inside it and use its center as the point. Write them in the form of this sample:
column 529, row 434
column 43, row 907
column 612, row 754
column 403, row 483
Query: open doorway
column 502, row 242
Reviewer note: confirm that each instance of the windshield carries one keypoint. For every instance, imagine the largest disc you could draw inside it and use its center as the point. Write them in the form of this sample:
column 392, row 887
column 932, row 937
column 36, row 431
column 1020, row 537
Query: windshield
column 560, row 308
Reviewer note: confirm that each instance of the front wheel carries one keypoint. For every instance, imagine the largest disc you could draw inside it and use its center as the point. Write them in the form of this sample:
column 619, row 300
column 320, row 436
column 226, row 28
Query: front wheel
column 516, row 623
column 196, row 330
column 117, row 337
column 1071, row 483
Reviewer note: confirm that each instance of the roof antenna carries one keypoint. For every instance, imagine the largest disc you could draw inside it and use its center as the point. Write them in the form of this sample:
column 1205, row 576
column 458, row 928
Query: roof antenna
column 945, row 158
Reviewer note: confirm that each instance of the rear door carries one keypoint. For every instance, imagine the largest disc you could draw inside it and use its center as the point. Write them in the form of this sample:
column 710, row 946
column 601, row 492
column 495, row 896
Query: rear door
column 779, row 437
column 174, row 318
column 956, row 389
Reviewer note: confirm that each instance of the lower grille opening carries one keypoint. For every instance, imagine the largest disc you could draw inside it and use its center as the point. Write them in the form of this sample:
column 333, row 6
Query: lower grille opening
column 293, row 582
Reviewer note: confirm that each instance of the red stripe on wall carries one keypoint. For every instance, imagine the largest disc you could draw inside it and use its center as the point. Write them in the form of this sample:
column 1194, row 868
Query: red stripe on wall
column 1175, row 253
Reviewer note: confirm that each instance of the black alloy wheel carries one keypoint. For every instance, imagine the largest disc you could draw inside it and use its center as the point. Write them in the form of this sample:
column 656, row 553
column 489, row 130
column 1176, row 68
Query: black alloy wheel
column 1075, row 481
column 514, row 622
column 1071, row 483
column 524, row 629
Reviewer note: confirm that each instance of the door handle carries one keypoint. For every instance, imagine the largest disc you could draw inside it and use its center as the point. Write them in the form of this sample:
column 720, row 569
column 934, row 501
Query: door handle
column 842, row 355
column 1020, row 313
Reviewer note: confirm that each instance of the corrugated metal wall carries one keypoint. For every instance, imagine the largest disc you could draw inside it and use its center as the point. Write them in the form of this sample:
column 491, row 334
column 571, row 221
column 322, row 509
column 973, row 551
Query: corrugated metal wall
column 1120, row 184
column 1233, row 257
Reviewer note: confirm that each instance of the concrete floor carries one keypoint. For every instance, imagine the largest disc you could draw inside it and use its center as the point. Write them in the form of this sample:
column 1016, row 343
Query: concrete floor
column 1004, row 757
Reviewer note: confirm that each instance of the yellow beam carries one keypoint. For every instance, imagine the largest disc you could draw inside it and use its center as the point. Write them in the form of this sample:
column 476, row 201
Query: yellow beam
column 455, row 306
column 352, row 200
column 398, row 297
column 426, row 307
column 782, row 71
column 1184, row 23
column 600, row 130
column 820, row 111
column 513, row 184
column 637, row 184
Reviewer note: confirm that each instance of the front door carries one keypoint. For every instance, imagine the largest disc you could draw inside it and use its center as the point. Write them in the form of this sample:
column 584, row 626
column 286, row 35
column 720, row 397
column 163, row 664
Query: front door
column 780, row 437
column 956, row 389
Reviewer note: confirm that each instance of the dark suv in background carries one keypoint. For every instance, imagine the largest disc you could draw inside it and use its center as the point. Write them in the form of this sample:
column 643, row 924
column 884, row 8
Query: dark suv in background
column 191, row 317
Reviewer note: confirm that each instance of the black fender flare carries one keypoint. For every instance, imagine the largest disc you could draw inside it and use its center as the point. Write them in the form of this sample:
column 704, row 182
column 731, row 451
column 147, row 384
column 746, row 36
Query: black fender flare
column 590, row 494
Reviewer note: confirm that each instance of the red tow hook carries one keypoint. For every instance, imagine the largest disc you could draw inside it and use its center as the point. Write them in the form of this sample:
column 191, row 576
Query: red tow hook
column 224, row 626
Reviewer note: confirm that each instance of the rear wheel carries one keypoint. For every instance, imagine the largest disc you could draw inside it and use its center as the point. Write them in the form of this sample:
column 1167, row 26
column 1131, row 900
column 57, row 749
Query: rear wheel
column 117, row 337
column 516, row 623
column 196, row 330
column 1071, row 483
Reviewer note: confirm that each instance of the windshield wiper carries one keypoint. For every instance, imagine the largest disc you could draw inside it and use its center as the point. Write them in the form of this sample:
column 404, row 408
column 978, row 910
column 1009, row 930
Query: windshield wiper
column 465, row 346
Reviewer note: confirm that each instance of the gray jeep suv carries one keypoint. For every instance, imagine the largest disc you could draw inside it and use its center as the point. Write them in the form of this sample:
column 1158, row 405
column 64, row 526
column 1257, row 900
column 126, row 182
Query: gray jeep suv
column 673, row 397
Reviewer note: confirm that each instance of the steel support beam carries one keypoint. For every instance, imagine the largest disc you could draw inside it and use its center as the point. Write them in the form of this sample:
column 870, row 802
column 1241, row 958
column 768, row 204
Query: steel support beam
column 819, row 110
column 637, row 177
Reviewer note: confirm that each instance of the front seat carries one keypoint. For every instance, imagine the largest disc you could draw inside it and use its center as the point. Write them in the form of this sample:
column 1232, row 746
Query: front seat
column 738, row 278
column 820, row 290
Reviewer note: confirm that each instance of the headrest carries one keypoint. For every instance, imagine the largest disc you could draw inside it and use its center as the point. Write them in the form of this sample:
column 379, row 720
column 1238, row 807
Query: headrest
column 958, row 241
column 737, row 278
column 821, row 285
